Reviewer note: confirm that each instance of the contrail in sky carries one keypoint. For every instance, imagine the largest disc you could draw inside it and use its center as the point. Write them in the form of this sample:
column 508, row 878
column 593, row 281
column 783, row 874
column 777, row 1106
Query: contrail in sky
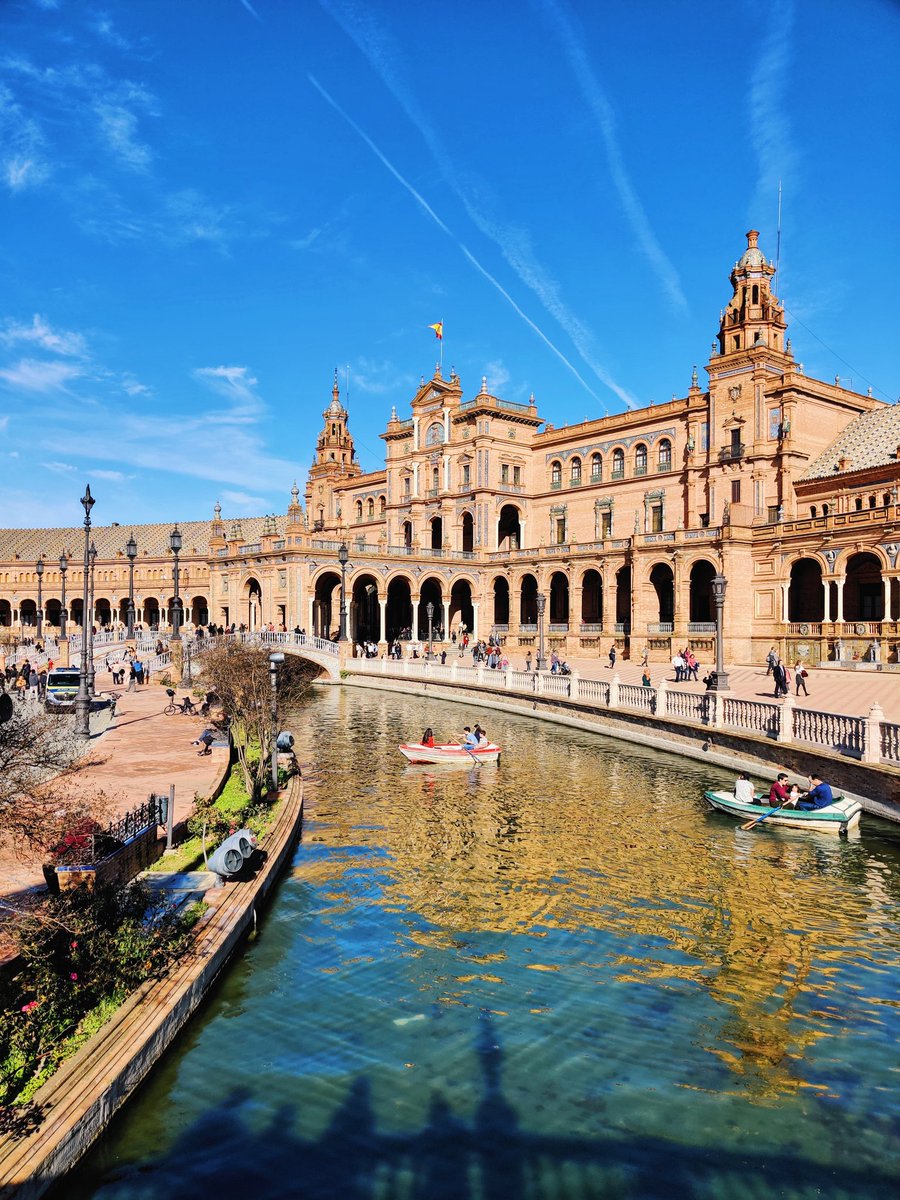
column 423, row 203
column 769, row 126
column 595, row 98
column 376, row 44
column 251, row 10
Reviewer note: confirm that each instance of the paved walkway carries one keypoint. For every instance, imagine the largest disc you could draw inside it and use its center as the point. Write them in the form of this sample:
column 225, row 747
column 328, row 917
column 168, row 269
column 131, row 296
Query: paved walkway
column 837, row 690
column 141, row 751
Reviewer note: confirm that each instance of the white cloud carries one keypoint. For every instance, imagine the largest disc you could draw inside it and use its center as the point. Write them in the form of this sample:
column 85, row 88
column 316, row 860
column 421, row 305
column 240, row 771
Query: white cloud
column 119, row 129
column 244, row 501
column 250, row 9
column 134, row 387
column 377, row 378
column 497, row 377
column 32, row 375
column 40, row 332
column 237, row 386
column 59, row 468
column 111, row 476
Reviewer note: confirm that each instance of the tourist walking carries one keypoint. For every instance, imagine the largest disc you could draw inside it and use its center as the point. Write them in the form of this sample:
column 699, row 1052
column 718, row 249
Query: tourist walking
column 612, row 655
column 645, row 656
column 528, row 665
column 771, row 660
column 780, row 674
column 800, row 676
column 678, row 667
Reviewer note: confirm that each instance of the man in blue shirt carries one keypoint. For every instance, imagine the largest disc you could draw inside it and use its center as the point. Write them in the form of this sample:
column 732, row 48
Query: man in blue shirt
column 819, row 795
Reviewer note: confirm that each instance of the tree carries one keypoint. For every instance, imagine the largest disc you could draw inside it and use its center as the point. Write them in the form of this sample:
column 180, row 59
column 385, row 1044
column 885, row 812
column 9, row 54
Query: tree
column 39, row 759
column 239, row 677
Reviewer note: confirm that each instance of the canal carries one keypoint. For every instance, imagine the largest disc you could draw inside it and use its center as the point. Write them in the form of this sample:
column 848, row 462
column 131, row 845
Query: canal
column 558, row 977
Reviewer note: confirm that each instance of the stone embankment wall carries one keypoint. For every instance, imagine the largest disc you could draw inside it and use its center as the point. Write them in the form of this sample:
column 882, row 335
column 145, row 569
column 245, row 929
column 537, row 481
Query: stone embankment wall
column 79, row 1101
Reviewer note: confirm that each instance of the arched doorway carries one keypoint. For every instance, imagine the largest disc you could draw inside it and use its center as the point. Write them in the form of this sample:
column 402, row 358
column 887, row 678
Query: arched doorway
column 528, row 590
column 251, row 615
column 462, row 612
column 399, row 609
column 509, row 529
column 102, row 612
column 199, row 611
column 806, row 597
column 151, row 612
column 559, row 600
column 5, row 613
column 28, row 614
column 501, row 603
column 76, row 610
column 468, row 533
column 430, row 593
column 437, row 533
column 326, row 617
column 52, row 610
column 623, row 600
column 863, row 589
column 365, row 622
column 592, row 598
column 702, row 607
column 407, row 534
column 663, row 581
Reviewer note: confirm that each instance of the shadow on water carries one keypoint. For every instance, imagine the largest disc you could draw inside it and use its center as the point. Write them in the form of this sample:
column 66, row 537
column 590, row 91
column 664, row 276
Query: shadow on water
column 490, row 1157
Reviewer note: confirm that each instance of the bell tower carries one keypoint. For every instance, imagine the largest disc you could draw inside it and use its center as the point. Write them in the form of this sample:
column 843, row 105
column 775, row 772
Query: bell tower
column 334, row 462
column 753, row 316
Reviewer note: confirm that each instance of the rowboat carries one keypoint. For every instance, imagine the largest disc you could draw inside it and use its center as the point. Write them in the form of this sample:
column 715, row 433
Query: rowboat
column 450, row 752
column 833, row 818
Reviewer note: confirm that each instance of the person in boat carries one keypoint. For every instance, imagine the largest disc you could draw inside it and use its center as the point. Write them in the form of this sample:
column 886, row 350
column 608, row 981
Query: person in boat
column 428, row 737
column 778, row 792
column 819, row 795
column 470, row 740
column 743, row 788
column 480, row 735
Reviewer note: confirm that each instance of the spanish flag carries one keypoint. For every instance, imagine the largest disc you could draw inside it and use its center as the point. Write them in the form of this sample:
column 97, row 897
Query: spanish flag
column 438, row 330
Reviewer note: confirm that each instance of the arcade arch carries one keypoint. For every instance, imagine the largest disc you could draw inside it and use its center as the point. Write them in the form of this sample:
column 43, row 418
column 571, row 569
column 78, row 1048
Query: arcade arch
column 701, row 606
column 863, row 589
column 509, row 528
column 806, row 597
column 364, row 618
column 663, row 580
column 592, row 598
column 501, row 601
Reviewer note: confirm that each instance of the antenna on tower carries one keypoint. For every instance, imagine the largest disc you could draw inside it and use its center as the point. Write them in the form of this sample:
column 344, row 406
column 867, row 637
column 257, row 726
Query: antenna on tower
column 348, row 385
column 778, row 239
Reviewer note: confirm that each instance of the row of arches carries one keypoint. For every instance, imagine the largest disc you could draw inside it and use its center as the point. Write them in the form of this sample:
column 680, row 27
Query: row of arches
column 858, row 596
column 106, row 612
column 509, row 531
column 616, row 462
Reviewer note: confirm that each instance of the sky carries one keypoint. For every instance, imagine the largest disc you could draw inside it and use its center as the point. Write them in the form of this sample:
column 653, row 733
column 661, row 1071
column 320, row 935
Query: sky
column 206, row 206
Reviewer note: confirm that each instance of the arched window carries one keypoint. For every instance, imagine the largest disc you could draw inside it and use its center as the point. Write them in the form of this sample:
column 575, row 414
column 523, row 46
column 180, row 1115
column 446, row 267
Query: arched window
column 359, row 510
column 555, row 474
column 435, row 434
column 576, row 470
column 435, row 479
column 755, row 296
column 371, row 509
column 618, row 471
column 382, row 505
column 640, row 459
column 665, row 455
column 872, row 502
column 825, row 510
column 596, row 468
column 859, row 503
column 813, row 511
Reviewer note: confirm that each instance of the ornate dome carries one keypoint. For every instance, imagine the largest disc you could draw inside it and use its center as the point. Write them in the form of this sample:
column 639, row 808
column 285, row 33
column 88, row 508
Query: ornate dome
column 752, row 256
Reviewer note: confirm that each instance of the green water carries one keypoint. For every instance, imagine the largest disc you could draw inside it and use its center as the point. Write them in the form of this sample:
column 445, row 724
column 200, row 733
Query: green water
column 559, row 977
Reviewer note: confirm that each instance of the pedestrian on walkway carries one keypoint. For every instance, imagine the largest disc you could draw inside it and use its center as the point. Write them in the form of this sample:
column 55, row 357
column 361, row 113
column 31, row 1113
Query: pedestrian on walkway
column 132, row 675
column 800, row 675
column 527, row 660
column 645, row 656
column 780, row 675
column 771, row 660
column 612, row 655
column 678, row 666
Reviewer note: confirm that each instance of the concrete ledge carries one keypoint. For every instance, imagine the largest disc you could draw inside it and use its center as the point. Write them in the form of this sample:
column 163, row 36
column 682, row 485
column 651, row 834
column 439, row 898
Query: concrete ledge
column 82, row 1097
column 877, row 787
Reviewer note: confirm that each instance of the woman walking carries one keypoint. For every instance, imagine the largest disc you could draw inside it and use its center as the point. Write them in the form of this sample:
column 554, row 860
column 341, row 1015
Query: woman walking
column 800, row 676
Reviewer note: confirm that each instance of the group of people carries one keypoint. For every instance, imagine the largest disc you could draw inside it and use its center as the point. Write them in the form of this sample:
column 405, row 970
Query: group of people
column 817, row 795
column 781, row 673
column 25, row 680
column 471, row 737
column 685, row 665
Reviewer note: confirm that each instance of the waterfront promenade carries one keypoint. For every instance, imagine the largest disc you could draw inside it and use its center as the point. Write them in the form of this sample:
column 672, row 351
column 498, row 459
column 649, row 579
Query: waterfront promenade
column 141, row 751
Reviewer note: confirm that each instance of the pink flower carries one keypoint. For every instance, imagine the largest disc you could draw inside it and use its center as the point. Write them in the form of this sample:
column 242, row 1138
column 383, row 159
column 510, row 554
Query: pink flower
column 73, row 945
column 30, row 1007
column 73, row 975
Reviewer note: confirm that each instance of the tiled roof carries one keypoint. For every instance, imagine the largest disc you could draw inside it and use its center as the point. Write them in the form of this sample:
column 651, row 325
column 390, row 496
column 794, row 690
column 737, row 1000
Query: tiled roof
column 871, row 440
column 152, row 540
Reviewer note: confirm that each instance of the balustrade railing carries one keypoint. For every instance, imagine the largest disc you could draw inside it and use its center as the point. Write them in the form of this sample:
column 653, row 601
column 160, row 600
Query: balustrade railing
column 845, row 734
column 633, row 695
column 753, row 716
column 890, row 742
column 688, row 706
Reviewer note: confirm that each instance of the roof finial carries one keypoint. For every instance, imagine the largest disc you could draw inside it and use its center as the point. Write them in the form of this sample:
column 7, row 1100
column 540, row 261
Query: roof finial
column 393, row 412
column 217, row 509
column 335, row 390
column 694, row 382
column 484, row 385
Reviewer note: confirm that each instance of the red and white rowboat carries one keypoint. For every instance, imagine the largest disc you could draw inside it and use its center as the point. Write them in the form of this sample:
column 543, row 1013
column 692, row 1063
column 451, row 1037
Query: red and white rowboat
column 450, row 752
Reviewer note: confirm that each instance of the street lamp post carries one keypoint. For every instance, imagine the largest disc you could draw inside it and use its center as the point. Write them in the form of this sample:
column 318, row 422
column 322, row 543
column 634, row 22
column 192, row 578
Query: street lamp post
column 429, row 608
column 39, row 567
column 720, row 679
column 276, row 658
column 541, row 605
column 83, row 699
column 175, row 547
column 343, row 555
column 63, row 614
column 92, row 555
column 131, row 552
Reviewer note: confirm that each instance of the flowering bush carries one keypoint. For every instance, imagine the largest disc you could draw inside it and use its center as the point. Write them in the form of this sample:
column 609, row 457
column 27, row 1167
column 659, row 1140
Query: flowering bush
column 82, row 953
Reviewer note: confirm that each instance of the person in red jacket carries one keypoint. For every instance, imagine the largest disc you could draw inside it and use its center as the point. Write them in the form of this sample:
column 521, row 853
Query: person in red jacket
column 778, row 792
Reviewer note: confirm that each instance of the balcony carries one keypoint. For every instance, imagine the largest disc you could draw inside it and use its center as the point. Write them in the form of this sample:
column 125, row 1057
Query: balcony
column 617, row 473
column 640, row 468
column 596, row 477
column 575, row 481
column 664, row 464
column 661, row 627
column 555, row 484
column 732, row 453
column 432, row 493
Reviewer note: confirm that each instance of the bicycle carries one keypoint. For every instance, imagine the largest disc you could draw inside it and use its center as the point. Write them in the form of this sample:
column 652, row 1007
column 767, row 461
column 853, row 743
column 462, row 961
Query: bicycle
column 186, row 708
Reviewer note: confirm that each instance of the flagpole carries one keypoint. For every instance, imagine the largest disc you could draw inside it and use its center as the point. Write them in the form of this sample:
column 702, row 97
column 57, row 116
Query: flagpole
column 442, row 345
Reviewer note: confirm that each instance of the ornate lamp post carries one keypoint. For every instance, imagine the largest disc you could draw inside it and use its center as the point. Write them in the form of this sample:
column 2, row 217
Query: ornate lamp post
column 343, row 555
column 83, row 698
column 175, row 547
column 131, row 552
column 63, row 614
column 92, row 555
column 720, row 679
column 429, row 608
column 541, row 605
column 39, row 567
column 276, row 658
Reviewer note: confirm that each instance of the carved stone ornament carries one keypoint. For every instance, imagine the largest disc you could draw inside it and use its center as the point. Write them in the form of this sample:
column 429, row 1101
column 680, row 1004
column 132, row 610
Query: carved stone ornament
column 891, row 549
column 830, row 557
column 734, row 392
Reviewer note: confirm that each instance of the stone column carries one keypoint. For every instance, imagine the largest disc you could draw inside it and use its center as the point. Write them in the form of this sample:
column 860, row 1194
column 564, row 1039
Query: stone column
column 826, row 603
column 311, row 627
column 382, row 605
column 474, row 630
column 886, row 588
column 445, row 604
column 840, row 599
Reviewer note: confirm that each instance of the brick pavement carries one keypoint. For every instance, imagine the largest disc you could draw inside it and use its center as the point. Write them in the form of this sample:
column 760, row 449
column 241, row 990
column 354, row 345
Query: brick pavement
column 142, row 751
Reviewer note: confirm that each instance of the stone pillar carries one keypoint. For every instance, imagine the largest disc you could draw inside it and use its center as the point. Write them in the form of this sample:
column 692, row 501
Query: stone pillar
column 614, row 690
column 839, row 617
column 826, row 602
column 474, row 629
column 311, row 627
column 662, row 698
column 382, row 624
column 785, row 592
column 872, row 745
column 176, row 650
column 886, row 588
column 62, row 653
column 445, row 604
column 786, row 720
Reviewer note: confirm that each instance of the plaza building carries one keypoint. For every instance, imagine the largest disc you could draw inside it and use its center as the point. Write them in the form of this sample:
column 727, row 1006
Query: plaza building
column 606, row 531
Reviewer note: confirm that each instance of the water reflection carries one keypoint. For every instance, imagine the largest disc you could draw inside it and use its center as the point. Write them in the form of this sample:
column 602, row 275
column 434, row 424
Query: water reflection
column 562, row 976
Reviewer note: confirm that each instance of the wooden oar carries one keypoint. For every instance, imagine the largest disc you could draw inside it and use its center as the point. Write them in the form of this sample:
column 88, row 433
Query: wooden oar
column 756, row 820
column 468, row 751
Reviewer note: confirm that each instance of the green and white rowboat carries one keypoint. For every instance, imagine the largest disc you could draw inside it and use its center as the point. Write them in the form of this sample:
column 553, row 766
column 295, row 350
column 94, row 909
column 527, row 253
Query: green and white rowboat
column 834, row 818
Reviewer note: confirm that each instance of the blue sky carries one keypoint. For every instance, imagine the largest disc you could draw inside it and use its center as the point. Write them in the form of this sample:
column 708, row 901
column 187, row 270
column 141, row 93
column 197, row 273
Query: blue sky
column 207, row 205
